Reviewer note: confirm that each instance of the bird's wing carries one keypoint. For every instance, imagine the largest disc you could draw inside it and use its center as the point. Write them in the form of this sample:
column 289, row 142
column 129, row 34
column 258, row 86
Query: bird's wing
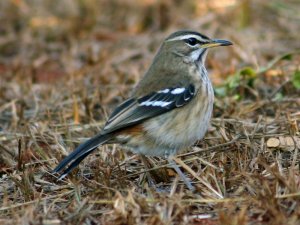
column 136, row 110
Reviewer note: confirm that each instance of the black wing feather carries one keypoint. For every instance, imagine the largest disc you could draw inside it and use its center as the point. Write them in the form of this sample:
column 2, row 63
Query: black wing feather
column 180, row 101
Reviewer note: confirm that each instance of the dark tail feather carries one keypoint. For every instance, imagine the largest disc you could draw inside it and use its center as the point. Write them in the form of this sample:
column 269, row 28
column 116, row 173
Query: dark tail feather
column 74, row 164
column 80, row 153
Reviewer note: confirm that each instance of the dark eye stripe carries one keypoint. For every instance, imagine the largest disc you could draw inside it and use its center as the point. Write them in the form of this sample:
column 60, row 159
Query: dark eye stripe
column 193, row 41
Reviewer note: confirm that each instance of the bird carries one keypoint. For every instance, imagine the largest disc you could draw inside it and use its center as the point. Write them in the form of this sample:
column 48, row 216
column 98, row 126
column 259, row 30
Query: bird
column 169, row 109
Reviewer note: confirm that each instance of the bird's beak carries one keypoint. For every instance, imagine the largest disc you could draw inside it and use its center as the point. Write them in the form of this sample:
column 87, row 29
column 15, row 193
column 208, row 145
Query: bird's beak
column 216, row 43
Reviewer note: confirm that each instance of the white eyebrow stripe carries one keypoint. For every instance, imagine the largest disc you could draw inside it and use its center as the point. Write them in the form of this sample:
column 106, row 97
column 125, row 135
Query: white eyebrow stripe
column 186, row 37
column 177, row 91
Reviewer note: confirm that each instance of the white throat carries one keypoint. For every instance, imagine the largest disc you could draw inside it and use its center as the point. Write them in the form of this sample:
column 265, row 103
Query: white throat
column 198, row 55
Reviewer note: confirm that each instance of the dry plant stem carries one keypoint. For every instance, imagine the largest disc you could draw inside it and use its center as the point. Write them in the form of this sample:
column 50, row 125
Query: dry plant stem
column 183, row 201
column 187, row 168
column 151, row 181
column 180, row 173
column 211, row 148
column 36, row 201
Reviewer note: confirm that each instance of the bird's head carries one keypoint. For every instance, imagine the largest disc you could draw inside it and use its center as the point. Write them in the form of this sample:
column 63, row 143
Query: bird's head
column 191, row 45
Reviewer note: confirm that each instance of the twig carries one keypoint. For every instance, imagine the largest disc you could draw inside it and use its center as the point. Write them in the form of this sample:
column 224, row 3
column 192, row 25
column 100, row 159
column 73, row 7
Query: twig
column 210, row 148
column 34, row 201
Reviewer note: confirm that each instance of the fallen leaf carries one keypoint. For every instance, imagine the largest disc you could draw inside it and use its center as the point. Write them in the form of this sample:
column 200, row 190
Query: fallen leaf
column 273, row 142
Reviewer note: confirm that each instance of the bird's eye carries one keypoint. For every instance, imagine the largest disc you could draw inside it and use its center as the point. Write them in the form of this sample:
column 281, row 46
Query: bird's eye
column 191, row 41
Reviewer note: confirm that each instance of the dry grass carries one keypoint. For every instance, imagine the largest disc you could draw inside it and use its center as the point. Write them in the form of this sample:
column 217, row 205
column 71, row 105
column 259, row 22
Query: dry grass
column 64, row 66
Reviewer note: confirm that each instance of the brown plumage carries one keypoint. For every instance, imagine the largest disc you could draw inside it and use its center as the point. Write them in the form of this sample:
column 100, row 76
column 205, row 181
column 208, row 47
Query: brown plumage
column 169, row 109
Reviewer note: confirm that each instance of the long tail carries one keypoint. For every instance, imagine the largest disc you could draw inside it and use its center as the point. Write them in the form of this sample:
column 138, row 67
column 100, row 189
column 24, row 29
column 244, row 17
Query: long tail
column 82, row 151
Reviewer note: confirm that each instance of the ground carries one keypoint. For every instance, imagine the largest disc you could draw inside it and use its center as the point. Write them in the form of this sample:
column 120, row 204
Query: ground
column 65, row 65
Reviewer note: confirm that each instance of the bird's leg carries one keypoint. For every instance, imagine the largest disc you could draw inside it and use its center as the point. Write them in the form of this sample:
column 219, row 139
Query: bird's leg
column 154, row 176
column 148, row 166
column 180, row 173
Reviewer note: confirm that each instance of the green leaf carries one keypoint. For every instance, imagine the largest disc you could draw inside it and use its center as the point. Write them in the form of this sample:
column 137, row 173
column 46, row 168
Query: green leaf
column 287, row 57
column 296, row 79
column 278, row 96
column 221, row 91
column 237, row 97
column 248, row 72
column 234, row 81
column 272, row 63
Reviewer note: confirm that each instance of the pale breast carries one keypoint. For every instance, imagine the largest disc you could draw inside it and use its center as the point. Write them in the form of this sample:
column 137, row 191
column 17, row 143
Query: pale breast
column 183, row 126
